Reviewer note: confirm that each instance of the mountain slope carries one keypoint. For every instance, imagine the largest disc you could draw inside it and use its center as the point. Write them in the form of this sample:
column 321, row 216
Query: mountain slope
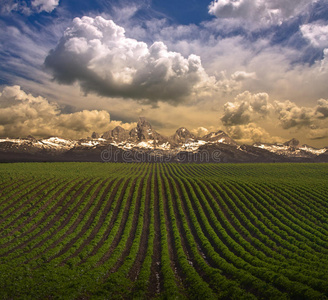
column 143, row 143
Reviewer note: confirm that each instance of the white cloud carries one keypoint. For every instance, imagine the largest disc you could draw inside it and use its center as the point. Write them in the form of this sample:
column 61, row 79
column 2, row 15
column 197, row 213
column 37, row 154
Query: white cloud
column 310, row 122
column 96, row 53
column 316, row 33
column 249, row 108
column 243, row 117
column 281, row 78
column 255, row 65
column 45, row 5
column 260, row 12
column 23, row 114
column 246, row 108
column 324, row 62
column 291, row 115
column 36, row 6
column 242, row 75
column 9, row 6
column 278, row 69
column 321, row 110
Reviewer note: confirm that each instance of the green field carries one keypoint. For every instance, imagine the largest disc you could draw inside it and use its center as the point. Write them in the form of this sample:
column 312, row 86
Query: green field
column 164, row 231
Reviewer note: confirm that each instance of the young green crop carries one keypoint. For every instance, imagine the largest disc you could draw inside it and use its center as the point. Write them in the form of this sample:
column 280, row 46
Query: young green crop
column 163, row 231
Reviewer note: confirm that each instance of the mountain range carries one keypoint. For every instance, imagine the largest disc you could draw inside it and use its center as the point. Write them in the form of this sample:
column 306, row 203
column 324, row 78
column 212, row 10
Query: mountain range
column 144, row 144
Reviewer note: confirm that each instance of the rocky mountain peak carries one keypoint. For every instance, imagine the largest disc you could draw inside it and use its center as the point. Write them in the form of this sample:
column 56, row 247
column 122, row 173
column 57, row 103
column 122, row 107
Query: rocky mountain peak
column 143, row 123
column 182, row 134
column 292, row 143
column 118, row 129
column 143, row 136
column 31, row 138
column 143, row 131
column 95, row 135
column 182, row 131
column 219, row 137
column 118, row 134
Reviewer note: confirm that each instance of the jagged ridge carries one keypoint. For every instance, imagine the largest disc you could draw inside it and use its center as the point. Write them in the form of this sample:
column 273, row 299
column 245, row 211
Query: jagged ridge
column 144, row 137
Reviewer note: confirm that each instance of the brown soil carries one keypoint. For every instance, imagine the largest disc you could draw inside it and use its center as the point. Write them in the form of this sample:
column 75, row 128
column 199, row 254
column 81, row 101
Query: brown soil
column 133, row 273
column 19, row 199
column 155, row 281
column 101, row 218
column 57, row 218
column 223, row 209
column 170, row 237
column 50, row 223
column 185, row 243
column 112, row 221
column 129, row 242
column 79, row 219
column 16, row 185
column 217, row 217
column 42, row 208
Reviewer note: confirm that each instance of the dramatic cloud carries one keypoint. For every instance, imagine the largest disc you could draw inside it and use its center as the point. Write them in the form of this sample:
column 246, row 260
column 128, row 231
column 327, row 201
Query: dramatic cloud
column 316, row 33
column 259, row 12
column 258, row 64
column 249, row 108
column 96, row 53
column 321, row 110
column 156, row 64
column 45, row 5
column 245, row 109
column 243, row 116
column 251, row 133
column 22, row 114
column 292, row 115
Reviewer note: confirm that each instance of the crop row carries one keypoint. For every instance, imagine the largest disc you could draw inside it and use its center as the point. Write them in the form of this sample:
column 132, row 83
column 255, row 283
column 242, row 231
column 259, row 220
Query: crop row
column 164, row 230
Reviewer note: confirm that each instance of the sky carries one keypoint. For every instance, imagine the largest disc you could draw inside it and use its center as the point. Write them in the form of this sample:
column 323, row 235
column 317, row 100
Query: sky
column 256, row 69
